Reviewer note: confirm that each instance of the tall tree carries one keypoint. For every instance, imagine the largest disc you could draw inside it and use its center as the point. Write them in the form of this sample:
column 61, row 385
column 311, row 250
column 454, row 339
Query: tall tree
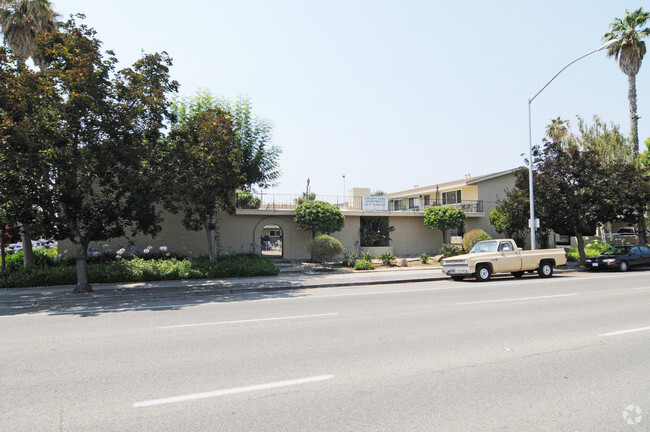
column 22, row 22
column 239, row 143
column 557, row 129
column 629, row 50
column 108, row 126
column 207, row 170
column 607, row 141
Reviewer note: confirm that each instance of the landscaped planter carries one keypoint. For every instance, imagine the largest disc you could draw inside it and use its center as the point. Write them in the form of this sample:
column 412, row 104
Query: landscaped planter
column 377, row 250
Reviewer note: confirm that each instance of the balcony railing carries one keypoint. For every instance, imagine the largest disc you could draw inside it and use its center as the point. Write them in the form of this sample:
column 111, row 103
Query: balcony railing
column 467, row 206
column 264, row 201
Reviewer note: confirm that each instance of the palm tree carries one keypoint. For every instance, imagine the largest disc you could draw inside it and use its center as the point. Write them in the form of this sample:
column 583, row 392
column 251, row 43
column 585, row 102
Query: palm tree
column 629, row 50
column 22, row 21
column 557, row 129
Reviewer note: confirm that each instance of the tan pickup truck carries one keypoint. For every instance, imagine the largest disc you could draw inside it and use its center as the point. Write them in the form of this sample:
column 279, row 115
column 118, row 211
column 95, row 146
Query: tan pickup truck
column 502, row 256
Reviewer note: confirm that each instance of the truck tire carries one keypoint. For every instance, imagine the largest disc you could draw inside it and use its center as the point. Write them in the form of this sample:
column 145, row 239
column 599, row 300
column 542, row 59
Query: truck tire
column 483, row 273
column 545, row 270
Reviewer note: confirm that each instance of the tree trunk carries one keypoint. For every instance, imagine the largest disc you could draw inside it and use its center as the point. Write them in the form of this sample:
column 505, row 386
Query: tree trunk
column 581, row 249
column 444, row 236
column 81, row 254
column 3, row 265
column 642, row 238
column 26, row 238
column 212, row 244
column 634, row 119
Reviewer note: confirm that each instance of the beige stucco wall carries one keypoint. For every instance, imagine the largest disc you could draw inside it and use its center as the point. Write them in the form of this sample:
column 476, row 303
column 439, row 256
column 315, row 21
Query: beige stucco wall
column 491, row 191
column 411, row 237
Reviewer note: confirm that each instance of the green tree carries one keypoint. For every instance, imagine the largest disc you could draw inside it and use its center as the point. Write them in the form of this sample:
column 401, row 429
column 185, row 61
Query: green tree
column 22, row 22
column 98, row 162
column 319, row 216
column 629, row 50
column 575, row 191
column 258, row 158
column 444, row 218
column 557, row 129
column 220, row 146
column 207, row 172
column 607, row 141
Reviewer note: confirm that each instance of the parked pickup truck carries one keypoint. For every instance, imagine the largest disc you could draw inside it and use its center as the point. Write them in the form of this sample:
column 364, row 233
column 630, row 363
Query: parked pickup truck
column 502, row 256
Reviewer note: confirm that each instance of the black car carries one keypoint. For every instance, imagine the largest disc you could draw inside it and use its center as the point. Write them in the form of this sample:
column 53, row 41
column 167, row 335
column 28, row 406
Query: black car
column 620, row 258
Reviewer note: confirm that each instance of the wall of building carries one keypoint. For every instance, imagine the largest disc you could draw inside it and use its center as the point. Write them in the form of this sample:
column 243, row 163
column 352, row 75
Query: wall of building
column 490, row 192
column 411, row 237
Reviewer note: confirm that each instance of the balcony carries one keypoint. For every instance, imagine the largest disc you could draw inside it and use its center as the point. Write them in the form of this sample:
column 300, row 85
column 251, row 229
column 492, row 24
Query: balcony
column 467, row 206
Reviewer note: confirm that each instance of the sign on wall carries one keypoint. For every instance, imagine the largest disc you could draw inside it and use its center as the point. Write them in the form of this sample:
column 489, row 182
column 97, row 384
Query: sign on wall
column 375, row 203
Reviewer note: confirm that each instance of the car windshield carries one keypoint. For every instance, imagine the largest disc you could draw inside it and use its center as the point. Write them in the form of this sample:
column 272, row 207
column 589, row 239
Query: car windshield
column 486, row 246
column 616, row 250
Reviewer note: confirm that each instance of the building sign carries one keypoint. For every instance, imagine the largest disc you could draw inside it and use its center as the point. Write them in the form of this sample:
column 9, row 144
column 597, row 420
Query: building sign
column 375, row 203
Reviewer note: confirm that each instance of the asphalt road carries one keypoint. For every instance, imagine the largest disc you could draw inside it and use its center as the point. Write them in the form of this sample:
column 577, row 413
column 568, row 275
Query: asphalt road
column 570, row 353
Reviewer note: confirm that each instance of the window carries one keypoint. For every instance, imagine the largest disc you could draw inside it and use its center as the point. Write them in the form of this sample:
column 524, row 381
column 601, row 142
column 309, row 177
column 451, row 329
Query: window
column 397, row 205
column 451, row 197
column 275, row 233
column 427, row 200
column 414, row 203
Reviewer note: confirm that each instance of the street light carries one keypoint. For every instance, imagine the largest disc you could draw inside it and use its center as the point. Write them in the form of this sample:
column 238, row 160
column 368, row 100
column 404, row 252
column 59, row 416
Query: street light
column 532, row 223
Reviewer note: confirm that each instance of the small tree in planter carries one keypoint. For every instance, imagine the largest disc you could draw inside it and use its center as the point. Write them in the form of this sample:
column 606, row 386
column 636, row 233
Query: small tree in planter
column 444, row 218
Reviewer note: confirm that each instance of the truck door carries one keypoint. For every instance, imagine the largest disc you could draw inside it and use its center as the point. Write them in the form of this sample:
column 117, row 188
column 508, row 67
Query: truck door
column 509, row 259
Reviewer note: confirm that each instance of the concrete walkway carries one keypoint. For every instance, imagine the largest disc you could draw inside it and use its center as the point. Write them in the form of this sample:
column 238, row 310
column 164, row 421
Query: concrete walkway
column 62, row 295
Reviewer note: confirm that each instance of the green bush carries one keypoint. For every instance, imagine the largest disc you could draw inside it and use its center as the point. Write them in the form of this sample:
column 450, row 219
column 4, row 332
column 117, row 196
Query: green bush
column 592, row 249
column 349, row 259
column 142, row 270
column 473, row 237
column 449, row 250
column 424, row 258
column 325, row 247
column 367, row 256
column 387, row 258
column 363, row 264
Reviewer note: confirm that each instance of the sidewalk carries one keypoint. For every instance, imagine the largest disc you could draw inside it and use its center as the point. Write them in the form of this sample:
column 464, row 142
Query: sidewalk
column 164, row 290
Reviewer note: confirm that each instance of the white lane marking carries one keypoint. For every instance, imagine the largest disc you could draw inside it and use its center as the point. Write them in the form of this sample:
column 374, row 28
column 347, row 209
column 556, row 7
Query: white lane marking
column 517, row 299
column 249, row 321
column 231, row 391
column 616, row 333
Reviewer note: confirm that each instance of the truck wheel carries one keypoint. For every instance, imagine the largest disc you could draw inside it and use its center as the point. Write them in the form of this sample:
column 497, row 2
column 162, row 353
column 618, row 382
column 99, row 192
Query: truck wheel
column 518, row 274
column 622, row 266
column 458, row 278
column 545, row 270
column 483, row 273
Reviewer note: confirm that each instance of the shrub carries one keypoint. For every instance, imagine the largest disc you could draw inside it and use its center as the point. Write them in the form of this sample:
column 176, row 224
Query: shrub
column 141, row 270
column 473, row 237
column 387, row 258
column 246, row 200
column 325, row 247
column 363, row 264
column 349, row 259
column 424, row 258
column 367, row 256
column 592, row 249
column 449, row 250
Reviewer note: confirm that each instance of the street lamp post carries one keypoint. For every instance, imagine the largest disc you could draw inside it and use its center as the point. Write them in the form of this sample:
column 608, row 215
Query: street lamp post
column 533, row 228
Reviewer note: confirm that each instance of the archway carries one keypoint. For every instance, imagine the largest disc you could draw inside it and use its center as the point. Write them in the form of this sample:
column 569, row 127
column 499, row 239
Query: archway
column 272, row 241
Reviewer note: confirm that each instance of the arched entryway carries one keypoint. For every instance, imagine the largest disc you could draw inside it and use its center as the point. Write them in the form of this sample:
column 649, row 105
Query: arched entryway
column 272, row 241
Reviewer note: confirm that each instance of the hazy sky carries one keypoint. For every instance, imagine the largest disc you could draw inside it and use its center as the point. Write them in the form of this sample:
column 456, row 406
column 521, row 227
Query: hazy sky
column 390, row 94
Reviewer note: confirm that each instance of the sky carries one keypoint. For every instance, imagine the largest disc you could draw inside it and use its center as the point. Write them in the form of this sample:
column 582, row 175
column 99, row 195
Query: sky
column 381, row 94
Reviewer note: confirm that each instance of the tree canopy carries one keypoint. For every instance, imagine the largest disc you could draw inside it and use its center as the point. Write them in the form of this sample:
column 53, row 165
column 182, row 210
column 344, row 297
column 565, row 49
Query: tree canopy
column 319, row 216
column 444, row 218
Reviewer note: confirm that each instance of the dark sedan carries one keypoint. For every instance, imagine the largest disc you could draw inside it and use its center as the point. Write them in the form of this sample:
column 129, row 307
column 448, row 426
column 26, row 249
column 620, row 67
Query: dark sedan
column 620, row 258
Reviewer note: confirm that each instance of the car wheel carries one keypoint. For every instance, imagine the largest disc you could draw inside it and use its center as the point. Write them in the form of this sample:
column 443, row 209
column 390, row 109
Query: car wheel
column 622, row 266
column 518, row 274
column 483, row 273
column 458, row 278
column 545, row 270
